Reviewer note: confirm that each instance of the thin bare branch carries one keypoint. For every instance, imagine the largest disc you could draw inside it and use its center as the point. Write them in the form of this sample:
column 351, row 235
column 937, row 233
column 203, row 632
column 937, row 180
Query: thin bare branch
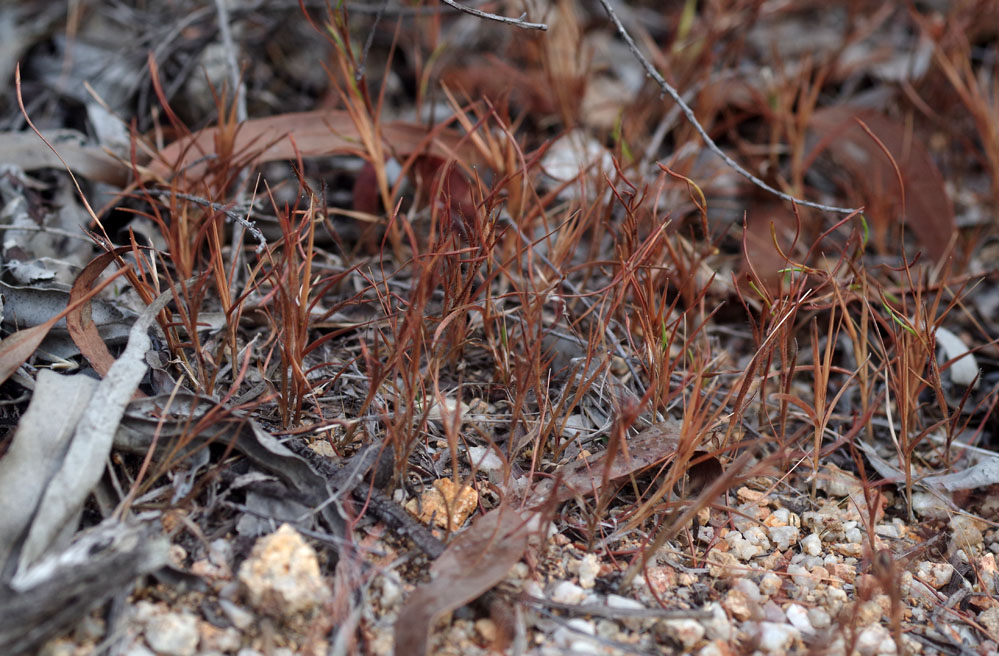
column 651, row 71
column 517, row 22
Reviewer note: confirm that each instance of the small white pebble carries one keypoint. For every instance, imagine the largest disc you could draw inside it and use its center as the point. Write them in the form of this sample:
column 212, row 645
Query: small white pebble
column 713, row 649
column 819, row 618
column 718, row 626
column 798, row 617
column 770, row 584
column 687, row 632
column 876, row 639
column 617, row 601
column 801, row 577
column 812, row 544
column 587, row 569
column 936, row 574
column 740, row 547
column 757, row 536
column 783, row 536
column 965, row 531
column 748, row 588
column 780, row 517
column 809, row 562
column 888, row 530
column 567, row 592
column 928, row 506
column 776, row 638
column 569, row 636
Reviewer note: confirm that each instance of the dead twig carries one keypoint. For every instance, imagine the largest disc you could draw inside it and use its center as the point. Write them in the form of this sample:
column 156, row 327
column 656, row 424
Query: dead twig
column 517, row 22
column 651, row 71
column 250, row 226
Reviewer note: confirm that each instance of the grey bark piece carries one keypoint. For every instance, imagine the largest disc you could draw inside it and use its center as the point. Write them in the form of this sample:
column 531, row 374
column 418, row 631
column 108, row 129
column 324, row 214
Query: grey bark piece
column 36, row 452
column 88, row 451
column 55, row 593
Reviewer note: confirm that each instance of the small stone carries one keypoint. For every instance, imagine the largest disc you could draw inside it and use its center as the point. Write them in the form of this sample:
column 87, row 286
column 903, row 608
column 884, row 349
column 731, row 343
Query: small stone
column 868, row 612
column 66, row 647
column 323, row 448
column 798, row 617
column 888, row 530
column 854, row 535
column 812, row 544
column 718, row 626
column 724, row 565
column 220, row 641
column 176, row 554
column 173, row 634
column 801, row 577
column 742, row 548
column 687, row 632
column 965, row 531
column 715, row 648
column 820, row 574
column 738, row 605
column 779, row 517
column 485, row 459
column 987, row 574
column 748, row 588
column 770, row 584
column 837, row 482
column 617, row 601
column 990, row 620
column 755, row 535
column 486, row 628
column 875, row 640
column 239, row 616
column 855, row 549
column 819, row 618
column 747, row 494
column 567, row 592
column 783, row 536
column 134, row 649
column 935, row 574
column 776, row 638
column 928, row 506
column 445, row 504
column 568, row 636
column 281, row 577
column 587, row 569
column 773, row 613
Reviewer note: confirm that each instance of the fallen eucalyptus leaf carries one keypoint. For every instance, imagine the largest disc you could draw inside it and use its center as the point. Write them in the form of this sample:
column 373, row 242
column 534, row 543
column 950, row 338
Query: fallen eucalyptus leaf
column 87, row 453
column 36, row 454
column 477, row 559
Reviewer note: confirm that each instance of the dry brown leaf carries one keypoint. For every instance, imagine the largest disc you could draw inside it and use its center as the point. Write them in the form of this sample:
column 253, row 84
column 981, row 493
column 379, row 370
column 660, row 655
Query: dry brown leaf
column 928, row 209
column 477, row 559
column 27, row 151
column 654, row 446
column 15, row 349
column 82, row 328
column 309, row 134
column 760, row 252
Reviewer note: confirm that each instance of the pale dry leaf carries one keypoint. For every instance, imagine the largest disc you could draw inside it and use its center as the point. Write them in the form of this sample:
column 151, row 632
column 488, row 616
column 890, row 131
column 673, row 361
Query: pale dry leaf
column 87, row 452
column 37, row 451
